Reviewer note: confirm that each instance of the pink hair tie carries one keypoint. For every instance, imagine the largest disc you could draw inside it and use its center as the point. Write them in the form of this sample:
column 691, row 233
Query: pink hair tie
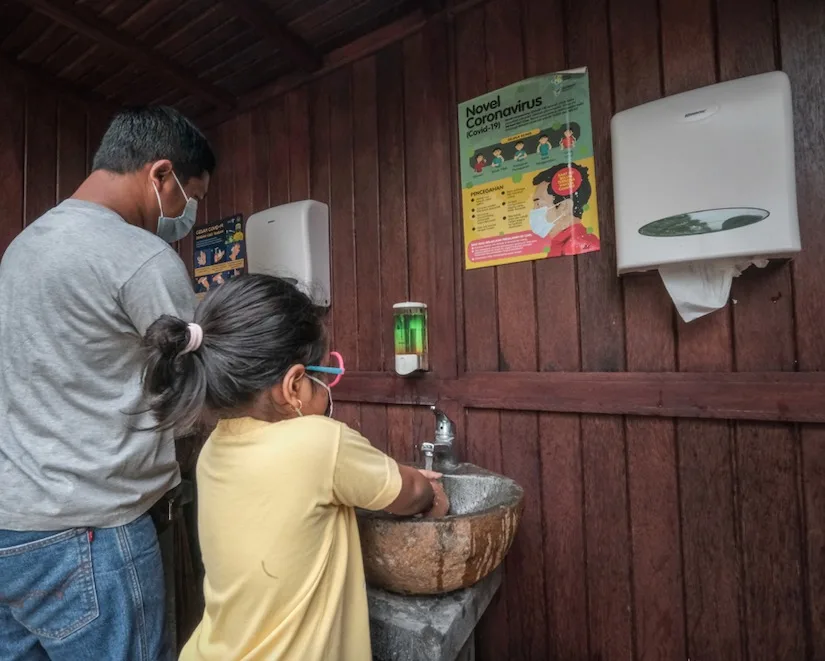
column 195, row 339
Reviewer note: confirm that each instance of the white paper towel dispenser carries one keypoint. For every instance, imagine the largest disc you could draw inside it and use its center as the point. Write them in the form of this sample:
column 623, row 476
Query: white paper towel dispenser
column 704, row 185
column 292, row 241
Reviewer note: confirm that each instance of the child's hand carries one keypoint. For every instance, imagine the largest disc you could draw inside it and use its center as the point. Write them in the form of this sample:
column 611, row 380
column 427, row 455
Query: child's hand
column 441, row 504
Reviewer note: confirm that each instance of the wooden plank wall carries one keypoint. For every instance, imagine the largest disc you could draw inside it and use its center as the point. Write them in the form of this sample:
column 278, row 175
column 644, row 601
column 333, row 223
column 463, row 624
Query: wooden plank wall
column 644, row 537
column 47, row 142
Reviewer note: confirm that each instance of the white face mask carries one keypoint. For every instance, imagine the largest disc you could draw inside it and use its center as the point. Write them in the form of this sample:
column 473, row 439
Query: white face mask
column 174, row 229
column 538, row 221
column 328, row 412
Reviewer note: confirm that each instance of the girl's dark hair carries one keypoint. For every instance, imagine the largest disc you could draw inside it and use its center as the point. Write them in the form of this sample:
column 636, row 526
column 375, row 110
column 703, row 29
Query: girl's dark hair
column 255, row 327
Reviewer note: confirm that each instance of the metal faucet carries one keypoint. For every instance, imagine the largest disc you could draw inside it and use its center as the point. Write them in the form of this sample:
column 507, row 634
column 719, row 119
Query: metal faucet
column 439, row 454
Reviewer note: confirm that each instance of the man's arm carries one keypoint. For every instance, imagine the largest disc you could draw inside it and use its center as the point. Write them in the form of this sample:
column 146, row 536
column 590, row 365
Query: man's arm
column 160, row 286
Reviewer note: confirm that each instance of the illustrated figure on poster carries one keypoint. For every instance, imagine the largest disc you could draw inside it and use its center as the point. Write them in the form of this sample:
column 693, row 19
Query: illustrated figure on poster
column 219, row 255
column 571, row 133
column 238, row 235
column 520, row 154
column 498, row 159
column 201, row 258
column 544, row 147
column 217, row 279
column 559, row 199
column 234, row 252
column 204, row 283
column 480, row 163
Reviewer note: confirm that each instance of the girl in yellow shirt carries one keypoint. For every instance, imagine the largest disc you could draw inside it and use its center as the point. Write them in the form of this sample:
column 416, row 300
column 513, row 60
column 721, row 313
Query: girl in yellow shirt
column 278, row 480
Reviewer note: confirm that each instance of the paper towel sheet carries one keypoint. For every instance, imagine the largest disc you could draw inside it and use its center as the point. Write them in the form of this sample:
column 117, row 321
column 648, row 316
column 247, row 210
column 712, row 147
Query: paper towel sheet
column 699, row 288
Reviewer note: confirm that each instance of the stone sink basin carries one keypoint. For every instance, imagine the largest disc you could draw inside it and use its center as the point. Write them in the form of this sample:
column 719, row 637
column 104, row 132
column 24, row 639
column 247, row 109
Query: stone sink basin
column 433, row 556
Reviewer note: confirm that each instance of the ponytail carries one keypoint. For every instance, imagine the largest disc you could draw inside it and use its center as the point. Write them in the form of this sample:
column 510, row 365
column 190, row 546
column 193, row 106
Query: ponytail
column 249, row 332
column 174, row 379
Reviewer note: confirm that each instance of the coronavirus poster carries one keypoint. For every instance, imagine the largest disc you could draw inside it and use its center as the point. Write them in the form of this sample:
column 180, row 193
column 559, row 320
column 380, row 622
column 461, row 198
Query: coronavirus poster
column 527, row 171
column 219, row 253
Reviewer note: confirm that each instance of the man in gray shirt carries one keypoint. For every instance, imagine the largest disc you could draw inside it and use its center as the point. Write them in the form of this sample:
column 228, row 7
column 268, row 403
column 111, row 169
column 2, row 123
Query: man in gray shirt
column 80, row 566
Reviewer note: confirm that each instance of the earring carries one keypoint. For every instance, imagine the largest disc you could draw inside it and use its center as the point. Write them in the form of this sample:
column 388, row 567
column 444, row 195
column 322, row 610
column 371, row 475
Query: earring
column 298, row 409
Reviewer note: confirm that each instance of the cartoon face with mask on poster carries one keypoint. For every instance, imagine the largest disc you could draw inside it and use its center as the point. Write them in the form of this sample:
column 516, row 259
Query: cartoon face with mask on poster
column 559, row 200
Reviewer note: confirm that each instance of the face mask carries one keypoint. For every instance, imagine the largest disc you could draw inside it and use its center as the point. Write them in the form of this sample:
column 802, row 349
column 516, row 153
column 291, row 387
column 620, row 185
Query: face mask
column 328, row 412
column 174, row 229
column 538, row 221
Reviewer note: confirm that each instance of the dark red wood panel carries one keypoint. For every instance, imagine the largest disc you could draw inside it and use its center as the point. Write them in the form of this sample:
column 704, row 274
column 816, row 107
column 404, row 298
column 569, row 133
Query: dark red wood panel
column 438, row 107
column 242, row 165
column 766, row 455
column 71, row 148
column 391, row 195
column 374, row 425
column 345, row 295
column 709, row 508
column 526, row 599
column 299, row 171
column 226, row 181
column 41, row 153
column 392, row 215
column 557, row 314
column 557, row 327
column 96, row 125
column 607, row 538
column 260, row 160
column 479, row 288
column 279, row 152
column 562, row 491
column 801, row 26
column 480, row 330
column 213, row 197
column 600, row 299
column 771, row 541
column 604, row 450
column 319, row 159
column 12, row 132
column 651, row 444
column 371, row 315
column 420, row 77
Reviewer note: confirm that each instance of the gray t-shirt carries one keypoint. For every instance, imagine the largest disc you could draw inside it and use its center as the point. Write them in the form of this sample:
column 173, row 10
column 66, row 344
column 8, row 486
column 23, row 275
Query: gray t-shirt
column 78, row 289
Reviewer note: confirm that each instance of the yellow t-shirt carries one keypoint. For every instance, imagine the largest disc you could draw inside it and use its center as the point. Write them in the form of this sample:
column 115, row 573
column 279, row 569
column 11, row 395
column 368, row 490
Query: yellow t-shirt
column 284, row 573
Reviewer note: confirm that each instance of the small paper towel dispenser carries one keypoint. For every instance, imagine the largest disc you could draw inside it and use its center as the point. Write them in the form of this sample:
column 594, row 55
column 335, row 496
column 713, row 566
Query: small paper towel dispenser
column 292, row 241
column 706, row 175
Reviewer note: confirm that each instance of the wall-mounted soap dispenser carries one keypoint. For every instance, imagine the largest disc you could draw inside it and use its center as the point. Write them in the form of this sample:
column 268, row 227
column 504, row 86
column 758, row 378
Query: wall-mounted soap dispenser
column 411, row 341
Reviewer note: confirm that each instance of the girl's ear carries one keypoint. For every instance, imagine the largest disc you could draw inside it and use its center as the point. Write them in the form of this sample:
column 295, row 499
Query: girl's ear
column 289, row 388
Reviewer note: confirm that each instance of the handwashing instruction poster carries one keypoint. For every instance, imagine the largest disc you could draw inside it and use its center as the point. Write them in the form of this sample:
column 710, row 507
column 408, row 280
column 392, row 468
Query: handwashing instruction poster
column 528, row 177
column 220, row 253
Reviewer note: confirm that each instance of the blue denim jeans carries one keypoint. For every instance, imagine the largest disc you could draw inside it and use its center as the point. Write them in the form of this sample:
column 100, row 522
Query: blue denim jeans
column 83, row 594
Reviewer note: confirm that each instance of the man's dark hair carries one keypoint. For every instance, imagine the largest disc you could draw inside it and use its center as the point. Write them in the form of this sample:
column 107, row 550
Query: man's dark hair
column 580, row 198
column 139, row 136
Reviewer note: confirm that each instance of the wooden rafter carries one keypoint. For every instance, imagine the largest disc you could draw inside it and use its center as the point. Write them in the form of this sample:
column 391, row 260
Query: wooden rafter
column 432, row 6
column 355, row 50
column 32, row 75
column 259, row 16
column 87, row 23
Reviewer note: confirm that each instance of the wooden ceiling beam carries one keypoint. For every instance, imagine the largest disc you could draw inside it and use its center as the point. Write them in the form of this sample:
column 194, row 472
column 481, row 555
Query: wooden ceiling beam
column 259, row 16
column 343, row 56
column 32, row 75
column 87, row 23
column 430, row 7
